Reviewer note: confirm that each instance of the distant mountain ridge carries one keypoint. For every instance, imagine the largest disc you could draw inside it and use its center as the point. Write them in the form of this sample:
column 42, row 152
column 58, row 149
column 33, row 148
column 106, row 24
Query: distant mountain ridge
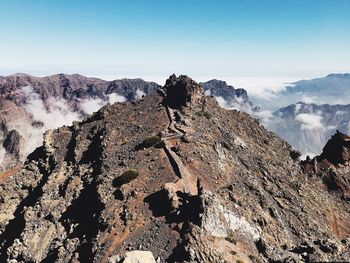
column 332, row 89
column 30, row 105
column 334, row 82
column 308, row 126
column 228, row 96
column 72, row 87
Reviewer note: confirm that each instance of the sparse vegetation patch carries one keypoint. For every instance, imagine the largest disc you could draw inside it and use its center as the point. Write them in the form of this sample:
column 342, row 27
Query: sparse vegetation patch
column 126, row 177
column 150, row 142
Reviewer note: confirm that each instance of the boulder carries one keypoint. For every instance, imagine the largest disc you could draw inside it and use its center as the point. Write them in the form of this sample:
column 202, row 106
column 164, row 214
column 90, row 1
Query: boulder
column 138, row 256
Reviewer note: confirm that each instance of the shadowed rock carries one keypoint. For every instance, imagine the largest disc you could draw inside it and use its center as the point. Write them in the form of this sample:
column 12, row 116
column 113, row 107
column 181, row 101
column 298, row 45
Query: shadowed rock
column 182, row 91
column 337, row 149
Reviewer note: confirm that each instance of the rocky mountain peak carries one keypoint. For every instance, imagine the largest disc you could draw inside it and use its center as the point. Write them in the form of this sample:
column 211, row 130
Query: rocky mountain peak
column 333, row 165
column 182, row 91
column 337, row 149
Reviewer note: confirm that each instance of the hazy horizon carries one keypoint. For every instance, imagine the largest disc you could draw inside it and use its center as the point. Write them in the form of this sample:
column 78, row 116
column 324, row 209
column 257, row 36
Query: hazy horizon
column 250, row 44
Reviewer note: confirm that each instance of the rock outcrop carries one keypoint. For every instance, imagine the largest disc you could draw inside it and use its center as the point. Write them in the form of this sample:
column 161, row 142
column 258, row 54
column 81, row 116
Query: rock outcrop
column 182, row 91
column 337, row 149
column 10, row 142
column 173, row 174
column 333, row 165
column 232, row 97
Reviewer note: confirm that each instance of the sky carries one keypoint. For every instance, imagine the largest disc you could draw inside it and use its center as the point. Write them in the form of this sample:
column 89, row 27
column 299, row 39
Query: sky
column 250, row 44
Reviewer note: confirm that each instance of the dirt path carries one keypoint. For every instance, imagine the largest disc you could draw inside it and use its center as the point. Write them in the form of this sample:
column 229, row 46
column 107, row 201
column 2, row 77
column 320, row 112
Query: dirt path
column 175, row 161
column 9, row 173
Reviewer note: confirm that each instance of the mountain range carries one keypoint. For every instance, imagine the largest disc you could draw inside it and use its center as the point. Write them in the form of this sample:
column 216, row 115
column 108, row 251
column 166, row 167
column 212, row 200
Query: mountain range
column 174, row 177
column 32, row 105
column 308, row 126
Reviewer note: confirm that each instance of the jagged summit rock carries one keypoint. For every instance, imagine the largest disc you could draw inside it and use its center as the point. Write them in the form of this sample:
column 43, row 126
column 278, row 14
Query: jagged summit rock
column 181, row 91
column 337, row 149
column 210, row 186
column 333, row 165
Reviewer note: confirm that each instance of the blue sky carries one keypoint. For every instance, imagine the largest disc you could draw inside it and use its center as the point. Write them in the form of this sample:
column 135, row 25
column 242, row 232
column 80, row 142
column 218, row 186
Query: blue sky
column 246, row 42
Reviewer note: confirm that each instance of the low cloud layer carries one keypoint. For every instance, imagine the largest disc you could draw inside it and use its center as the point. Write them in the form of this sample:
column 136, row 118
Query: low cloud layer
column 55, row 113
column 90, row 106
column 310, row 121
column 236, row 104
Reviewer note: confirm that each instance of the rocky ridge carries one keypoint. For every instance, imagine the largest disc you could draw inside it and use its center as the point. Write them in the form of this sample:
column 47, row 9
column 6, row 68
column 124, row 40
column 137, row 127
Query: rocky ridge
column 173, row 174
column 29, row 103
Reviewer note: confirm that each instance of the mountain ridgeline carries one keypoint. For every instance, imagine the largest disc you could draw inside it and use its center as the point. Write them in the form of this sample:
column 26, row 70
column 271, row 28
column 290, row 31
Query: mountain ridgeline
column 31, row 105
column 177, row 175
column 308, row 126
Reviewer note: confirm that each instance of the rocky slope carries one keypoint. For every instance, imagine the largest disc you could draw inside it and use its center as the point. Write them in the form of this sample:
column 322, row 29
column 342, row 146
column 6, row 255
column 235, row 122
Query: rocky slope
column 173, row 174
column 30, row 105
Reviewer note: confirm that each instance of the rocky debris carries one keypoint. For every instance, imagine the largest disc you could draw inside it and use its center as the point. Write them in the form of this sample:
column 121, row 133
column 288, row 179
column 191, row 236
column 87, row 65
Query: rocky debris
column 229, row 192
column 136, row 256
column 333, row 165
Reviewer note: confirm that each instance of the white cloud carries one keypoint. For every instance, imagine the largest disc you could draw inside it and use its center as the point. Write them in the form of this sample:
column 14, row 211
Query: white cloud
column 297, row 108
column 90, row 106
column 114, row 97
column 266, row 114
column 224, row 104
column 339, row 112
column 139, row 94
column 207, row 92
column 307, row 99
column 54, row 114
column 266, row 87
column 332, row 127
column 310, row 121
